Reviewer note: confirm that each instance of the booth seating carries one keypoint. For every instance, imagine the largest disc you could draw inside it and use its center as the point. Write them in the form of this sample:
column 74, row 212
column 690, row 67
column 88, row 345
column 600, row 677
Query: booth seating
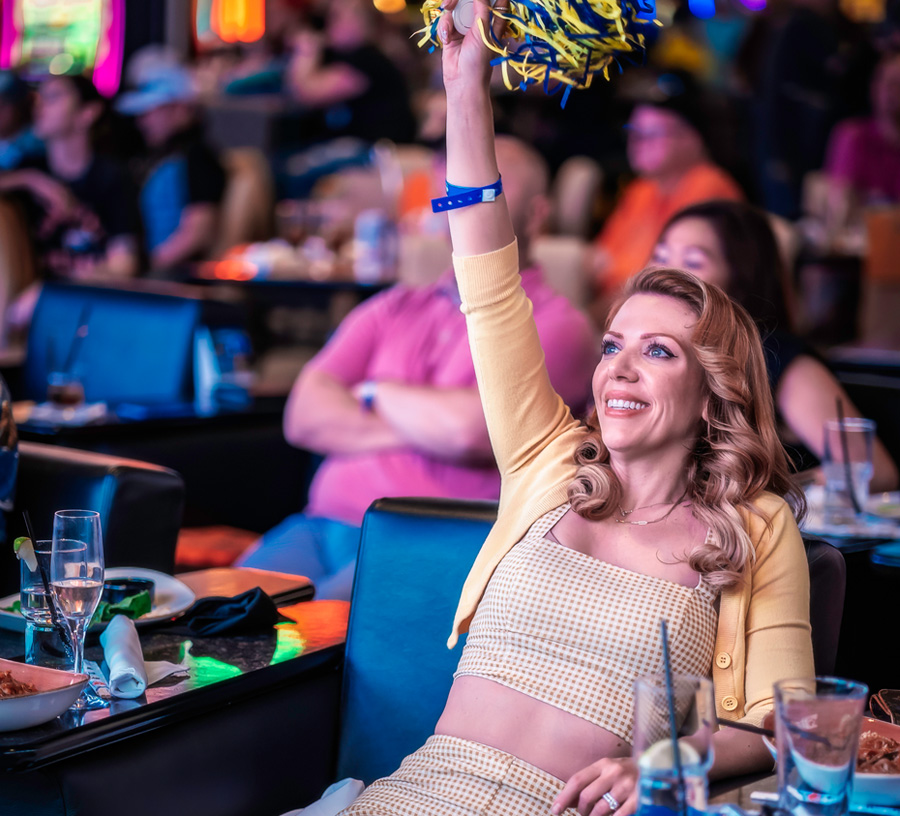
column 414, row 556
column 140, row 505
column 138, row 346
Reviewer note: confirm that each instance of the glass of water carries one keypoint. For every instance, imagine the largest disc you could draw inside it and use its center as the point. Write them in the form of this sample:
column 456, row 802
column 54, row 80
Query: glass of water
column 660, row 786
column 47, row 641
column 817, row 728
column 847, row 451
column 76, row 574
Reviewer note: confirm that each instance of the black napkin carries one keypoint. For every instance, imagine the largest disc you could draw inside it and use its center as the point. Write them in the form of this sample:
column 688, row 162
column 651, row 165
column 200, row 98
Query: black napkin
column 250, row 613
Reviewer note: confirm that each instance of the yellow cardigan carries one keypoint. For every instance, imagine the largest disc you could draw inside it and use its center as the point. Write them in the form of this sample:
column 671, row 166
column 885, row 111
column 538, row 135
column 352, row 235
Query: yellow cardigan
column 763, row 633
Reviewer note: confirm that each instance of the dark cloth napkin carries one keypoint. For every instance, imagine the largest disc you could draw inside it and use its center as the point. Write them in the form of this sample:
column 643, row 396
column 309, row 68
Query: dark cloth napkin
column 250, row 613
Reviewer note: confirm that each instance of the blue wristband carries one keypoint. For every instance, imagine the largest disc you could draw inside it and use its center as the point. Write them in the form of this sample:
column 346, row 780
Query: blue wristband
column 367, row 396
column 464, row 196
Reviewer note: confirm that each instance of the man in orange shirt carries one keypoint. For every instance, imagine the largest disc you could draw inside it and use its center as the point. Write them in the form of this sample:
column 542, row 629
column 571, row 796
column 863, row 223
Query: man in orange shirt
column 667, row 152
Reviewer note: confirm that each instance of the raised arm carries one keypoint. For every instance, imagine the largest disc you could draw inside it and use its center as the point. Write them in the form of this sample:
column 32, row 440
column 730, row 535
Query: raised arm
column 524, row 414
column 471, row 157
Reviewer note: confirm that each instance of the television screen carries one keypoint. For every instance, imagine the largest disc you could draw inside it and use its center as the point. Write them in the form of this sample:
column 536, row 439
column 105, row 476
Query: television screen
column 41, row 37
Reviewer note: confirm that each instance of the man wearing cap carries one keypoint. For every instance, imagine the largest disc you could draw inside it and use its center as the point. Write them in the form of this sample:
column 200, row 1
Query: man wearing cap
column 184, row 182
column 17, row 140
column 667, row 152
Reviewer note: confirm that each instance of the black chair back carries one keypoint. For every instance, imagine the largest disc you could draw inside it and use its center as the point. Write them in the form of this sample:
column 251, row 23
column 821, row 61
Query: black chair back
column 827, row 585
column 140, row 505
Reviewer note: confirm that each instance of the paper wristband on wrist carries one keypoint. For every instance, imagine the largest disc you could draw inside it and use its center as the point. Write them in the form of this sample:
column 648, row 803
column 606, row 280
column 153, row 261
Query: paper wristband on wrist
column 464, row 196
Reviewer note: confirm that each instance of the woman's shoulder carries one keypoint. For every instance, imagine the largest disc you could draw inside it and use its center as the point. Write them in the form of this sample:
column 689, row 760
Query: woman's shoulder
column 765, row 512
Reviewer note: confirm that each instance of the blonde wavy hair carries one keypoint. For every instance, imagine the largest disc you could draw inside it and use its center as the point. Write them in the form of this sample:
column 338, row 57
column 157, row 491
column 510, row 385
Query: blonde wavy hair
column 738, row 453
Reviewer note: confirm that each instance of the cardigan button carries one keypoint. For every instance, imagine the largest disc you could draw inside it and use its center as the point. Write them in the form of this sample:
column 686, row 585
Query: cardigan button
column 723, row 660
column 729, row 703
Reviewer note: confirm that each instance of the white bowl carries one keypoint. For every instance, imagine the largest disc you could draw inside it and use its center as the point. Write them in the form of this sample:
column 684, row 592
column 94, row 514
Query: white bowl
column 869, row 788
column 56, row 691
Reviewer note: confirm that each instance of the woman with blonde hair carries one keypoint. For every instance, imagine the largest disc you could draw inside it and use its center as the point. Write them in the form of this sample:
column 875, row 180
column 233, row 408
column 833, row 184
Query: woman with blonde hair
column 667, row 504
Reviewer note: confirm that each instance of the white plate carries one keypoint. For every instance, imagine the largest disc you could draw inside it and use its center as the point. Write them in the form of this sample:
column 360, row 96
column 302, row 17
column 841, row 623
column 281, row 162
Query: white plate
column 56, row 691
column 885, row 505
column 869, row 788
column 170, row 597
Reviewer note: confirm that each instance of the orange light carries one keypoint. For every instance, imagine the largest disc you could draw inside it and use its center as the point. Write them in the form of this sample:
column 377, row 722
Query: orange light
column 238, row 20
column 390, row 6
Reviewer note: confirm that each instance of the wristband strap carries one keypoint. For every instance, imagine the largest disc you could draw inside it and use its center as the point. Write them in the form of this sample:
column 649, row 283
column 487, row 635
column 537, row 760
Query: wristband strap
column 464, row 196
column 367, row 396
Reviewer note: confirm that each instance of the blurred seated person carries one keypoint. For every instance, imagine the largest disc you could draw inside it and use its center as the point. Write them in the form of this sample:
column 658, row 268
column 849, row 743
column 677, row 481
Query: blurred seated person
column 83, row 200
column 9, row 457
column 863, row 164
column 732, row 245
column 342, row 73
column 667, row 152
column 184, row 182
column 17, row 140
column 391, row 401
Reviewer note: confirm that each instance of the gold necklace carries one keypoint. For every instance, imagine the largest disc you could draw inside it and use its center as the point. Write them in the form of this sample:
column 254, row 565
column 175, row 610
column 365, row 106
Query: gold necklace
column 671, row 510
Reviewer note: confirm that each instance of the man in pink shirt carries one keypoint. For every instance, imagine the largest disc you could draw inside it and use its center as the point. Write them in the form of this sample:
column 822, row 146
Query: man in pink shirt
column 392, row 403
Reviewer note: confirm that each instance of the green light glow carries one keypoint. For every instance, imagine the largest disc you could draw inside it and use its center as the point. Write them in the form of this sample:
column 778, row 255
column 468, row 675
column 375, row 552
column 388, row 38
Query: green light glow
column 290, row 643
column 204, row 671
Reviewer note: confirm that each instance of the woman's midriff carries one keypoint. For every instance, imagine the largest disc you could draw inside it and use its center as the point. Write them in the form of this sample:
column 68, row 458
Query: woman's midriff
column 550, row 738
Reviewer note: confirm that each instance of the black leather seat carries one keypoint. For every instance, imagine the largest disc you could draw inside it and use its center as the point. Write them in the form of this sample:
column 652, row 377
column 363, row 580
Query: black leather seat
column 827, row 586
column 140, row 505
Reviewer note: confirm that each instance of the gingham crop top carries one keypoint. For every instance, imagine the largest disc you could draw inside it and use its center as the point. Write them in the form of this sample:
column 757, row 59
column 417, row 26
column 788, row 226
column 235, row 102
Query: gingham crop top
column 574, row 632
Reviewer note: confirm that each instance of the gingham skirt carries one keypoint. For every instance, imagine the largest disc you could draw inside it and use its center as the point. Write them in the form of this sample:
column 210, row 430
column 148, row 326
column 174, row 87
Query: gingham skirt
column 449, row 776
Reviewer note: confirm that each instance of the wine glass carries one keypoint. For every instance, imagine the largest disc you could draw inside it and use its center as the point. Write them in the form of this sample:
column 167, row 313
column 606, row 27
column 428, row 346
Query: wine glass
column 76, row 575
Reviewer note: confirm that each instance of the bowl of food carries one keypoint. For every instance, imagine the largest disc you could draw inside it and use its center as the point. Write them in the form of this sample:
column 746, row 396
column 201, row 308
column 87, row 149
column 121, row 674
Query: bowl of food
column 32, row 695
column 117, row 590
column 877, row 777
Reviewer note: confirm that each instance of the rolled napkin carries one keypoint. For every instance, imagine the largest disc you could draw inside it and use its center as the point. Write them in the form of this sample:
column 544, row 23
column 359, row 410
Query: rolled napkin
column 129, row 676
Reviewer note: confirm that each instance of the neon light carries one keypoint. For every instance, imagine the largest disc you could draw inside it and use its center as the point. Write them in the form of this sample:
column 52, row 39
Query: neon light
column 108, row 62
column 11, row 35
column 47, row 35
column 237, row 20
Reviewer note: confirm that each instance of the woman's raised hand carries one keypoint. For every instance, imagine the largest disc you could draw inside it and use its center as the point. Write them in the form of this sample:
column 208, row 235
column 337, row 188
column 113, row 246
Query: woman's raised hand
column 585, row 790
column 466, row 59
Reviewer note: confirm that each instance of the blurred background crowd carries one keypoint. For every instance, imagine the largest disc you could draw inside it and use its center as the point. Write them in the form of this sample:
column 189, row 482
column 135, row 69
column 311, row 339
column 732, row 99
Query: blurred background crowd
column 302, row 139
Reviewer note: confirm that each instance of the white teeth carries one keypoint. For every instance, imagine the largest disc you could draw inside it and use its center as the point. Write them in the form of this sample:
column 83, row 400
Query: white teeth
column 625, row 404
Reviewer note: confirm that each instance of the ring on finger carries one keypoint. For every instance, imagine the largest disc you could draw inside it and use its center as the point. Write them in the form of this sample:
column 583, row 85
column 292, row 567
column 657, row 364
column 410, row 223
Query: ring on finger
column 611, row 801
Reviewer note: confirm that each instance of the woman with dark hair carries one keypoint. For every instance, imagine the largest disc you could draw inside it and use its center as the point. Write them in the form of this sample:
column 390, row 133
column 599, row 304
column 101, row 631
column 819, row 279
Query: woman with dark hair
column 732, row 245
column 668, row 503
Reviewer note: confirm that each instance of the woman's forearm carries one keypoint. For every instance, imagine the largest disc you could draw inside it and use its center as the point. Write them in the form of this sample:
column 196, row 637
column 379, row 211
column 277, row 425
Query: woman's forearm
column 471, row 158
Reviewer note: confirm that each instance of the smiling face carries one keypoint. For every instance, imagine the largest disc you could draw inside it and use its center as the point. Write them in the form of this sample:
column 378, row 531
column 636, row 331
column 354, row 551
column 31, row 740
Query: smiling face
column 691, row 244
column 649, row 386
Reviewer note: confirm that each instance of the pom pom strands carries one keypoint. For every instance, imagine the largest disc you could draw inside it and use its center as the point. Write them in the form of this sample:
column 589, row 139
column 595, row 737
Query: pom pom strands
column 559, row 43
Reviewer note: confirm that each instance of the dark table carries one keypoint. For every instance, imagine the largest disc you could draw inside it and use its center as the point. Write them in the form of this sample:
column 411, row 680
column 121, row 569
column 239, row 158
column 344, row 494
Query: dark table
column 226, row 741
column 237, row 467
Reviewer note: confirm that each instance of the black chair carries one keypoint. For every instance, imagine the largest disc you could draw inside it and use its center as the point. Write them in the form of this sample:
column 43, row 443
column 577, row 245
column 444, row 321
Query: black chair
column 414, row 556
column 140, row 505
column 827, row 586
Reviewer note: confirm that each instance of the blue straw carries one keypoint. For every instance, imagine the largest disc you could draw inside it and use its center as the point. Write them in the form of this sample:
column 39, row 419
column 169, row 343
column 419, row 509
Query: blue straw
column 673, row 727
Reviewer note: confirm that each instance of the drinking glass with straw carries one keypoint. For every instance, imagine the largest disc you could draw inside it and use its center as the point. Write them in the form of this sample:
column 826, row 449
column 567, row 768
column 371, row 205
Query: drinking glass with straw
column 674, row 719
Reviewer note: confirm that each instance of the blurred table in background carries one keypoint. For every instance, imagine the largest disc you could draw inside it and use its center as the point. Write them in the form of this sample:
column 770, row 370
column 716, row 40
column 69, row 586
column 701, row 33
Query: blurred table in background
column 237, row 467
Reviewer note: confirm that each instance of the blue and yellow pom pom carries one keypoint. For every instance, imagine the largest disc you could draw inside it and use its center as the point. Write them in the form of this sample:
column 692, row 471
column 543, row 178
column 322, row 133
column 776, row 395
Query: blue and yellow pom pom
column 562, row 44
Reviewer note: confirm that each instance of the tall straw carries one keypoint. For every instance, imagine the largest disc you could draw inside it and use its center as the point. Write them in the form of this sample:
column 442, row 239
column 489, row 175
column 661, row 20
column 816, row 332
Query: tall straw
column 673, row 726
column 845, row 449
column 45, row 580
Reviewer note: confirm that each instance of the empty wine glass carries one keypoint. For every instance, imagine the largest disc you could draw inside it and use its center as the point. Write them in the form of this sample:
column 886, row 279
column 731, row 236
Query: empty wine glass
column 76, row 575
